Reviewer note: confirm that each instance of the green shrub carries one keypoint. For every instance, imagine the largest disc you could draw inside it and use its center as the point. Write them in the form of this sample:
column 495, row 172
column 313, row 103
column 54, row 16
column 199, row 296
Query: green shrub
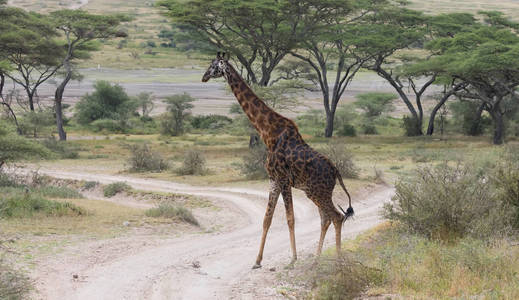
column 61, row 148
column 178, row 109
column 13, row 283
column 411, row 126
column 342, row 158
column 172, row 211
column 347, row 130
column 210, row 122
column 142, row 158
column 369, row 129
column 20, row 203
column 108, row 125
column 115, row 188
column 448, row 202
column 253, row 165
column 37, row 123
column 505, row 179
column 194, row 164
column 106, row 102
column 88, row 185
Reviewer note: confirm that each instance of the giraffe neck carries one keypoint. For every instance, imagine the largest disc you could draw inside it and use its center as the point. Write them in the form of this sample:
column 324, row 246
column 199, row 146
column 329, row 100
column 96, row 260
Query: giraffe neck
column 267, row 122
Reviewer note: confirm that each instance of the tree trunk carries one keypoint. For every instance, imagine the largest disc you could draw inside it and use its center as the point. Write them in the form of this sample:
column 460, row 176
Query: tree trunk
column 499, row 125
column 58, row 97
column 328, row 132
column 475, row 126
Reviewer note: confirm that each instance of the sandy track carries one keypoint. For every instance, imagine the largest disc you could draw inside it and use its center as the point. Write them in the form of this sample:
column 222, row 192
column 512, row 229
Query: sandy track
column 165, row 272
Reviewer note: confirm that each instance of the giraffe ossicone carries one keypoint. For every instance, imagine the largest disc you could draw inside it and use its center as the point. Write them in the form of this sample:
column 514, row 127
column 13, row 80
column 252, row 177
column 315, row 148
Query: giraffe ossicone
column 291, row 162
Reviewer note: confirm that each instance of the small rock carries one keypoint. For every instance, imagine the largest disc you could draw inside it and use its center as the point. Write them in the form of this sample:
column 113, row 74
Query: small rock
column 126, row 223
column 75, row 276
column 273, row 269
column 195, row 264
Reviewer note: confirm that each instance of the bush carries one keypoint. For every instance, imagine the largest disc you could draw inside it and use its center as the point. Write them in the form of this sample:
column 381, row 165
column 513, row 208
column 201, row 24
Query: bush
column 411, row 126
column 172, row 211
column 369, row 129
column 88, row 185
column 14, row 147
column 347, row 130
column 108, row 125
column 505, row 179
column 210, row 122
column 342, row 159
column 106, row 102
column 253, row 166
column 342, row 278
column 374, row 104
column 37, row 123
column 178, row 106
column 13, row 284
column 61, row 148
column 194, row 164
column 144, row 159
column 19, row 203
column 448, row 202
column 115, row 188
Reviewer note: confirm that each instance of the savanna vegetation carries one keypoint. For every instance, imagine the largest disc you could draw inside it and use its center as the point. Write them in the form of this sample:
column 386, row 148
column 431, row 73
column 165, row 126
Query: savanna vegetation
column 435, row 131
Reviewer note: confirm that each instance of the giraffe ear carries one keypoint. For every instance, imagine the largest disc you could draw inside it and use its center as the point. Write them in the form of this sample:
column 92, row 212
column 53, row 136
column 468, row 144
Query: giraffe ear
column 218, row 55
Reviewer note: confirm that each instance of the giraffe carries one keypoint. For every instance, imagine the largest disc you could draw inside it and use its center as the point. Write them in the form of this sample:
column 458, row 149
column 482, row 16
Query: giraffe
column 291, row 163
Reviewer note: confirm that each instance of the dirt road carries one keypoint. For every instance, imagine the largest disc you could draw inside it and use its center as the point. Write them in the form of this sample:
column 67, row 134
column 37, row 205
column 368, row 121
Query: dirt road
column 167, row 271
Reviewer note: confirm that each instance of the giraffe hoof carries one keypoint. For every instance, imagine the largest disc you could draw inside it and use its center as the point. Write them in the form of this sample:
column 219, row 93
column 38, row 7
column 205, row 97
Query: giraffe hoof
column 256, row 266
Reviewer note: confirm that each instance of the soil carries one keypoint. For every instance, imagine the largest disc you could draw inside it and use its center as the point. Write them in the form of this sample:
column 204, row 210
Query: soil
column 194, row 265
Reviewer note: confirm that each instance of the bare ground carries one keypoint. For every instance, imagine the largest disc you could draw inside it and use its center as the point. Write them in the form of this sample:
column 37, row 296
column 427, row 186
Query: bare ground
column 194, row 265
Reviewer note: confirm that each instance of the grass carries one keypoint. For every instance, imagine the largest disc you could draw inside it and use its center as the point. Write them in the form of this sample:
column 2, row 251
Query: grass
column 170, row 211
column 416, row 267
column 13, row 283
column 18, row 203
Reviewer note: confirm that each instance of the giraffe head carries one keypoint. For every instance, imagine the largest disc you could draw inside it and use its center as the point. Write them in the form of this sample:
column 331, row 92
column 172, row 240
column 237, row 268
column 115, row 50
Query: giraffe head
column 217, row 68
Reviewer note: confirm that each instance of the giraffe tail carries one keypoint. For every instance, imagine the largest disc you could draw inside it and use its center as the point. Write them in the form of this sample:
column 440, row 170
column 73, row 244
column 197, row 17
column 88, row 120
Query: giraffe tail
column 349, row 212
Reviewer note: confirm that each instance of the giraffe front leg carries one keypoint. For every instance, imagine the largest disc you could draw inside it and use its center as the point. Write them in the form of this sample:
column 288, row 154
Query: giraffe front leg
column 267, row 220
column 289, row 207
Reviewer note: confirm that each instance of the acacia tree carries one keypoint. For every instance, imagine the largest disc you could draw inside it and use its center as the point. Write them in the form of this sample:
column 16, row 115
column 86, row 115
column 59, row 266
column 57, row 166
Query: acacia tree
column 396, row 28
column 486, row 59
column 79, row 29
column 333, row 42
column 28, row 45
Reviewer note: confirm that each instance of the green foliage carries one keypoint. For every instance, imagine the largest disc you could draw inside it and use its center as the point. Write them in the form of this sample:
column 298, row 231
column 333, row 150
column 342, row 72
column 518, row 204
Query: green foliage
column 411, row 126
column 465, row 115
column 107, row 125
column 369, row 129
column 18, row 203
column 144, row 102
column 106, row 102
column 178, row 107
column 62, row 148
column 89, row 185
column 347, row 130
column 14, row 147
column 37, row 123
column 166, row 210
column 253, row 162
column 210, row 121
column 448, row 202
column 58, row 192
column 142, row 158
column 115, row 188
column 342, row 159
column 374, row 104
column 194, row 164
